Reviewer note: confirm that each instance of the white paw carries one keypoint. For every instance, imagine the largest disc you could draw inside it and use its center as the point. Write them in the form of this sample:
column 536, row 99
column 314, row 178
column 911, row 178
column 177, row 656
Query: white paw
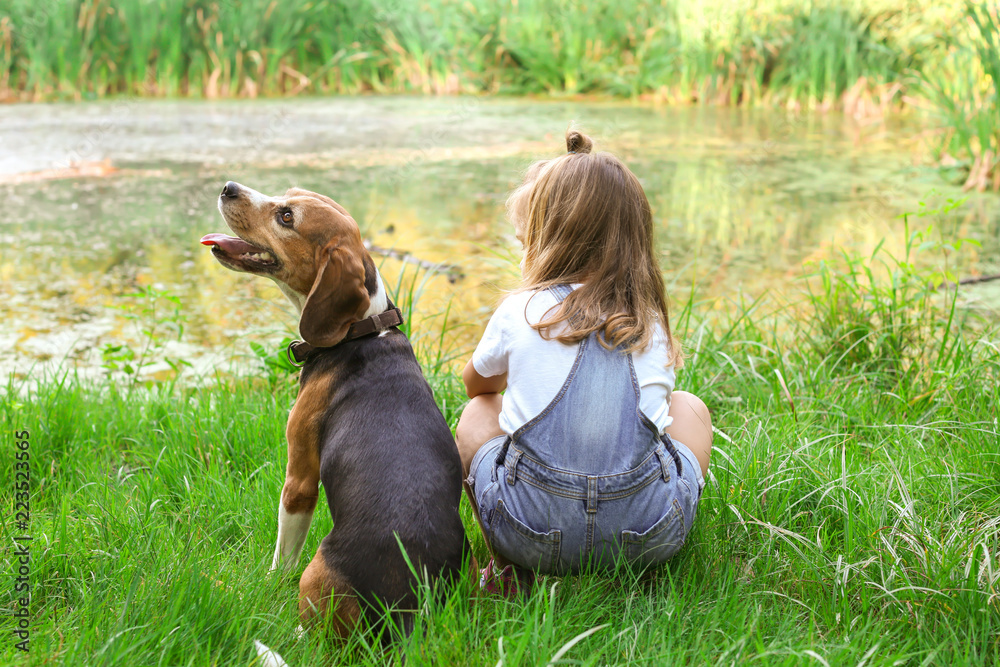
column 282, row 566
column 268, row 657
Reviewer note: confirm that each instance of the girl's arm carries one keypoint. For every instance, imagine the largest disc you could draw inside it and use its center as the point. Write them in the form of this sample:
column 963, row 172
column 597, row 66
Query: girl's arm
column 476, row 384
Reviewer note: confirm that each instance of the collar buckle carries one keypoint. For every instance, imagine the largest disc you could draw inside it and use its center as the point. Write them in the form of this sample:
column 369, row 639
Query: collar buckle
column 298, row 350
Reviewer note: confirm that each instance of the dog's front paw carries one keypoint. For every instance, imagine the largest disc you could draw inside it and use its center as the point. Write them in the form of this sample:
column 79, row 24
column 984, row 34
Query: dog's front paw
column 268, row 656
column 282, row 564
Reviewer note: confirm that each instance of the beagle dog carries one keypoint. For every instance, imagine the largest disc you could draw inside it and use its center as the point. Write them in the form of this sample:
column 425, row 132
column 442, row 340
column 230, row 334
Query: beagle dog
column 364, row 422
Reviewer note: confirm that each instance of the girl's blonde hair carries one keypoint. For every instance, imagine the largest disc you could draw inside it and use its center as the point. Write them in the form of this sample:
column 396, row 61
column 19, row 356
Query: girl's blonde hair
column 584, row 218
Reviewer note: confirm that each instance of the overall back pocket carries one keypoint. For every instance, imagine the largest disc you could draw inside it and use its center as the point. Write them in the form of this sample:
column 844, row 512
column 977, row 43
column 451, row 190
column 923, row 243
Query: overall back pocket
column 522, row 545
column 658, row 543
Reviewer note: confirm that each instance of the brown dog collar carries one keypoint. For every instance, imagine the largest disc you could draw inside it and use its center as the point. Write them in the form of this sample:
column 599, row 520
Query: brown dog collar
column 298, row 350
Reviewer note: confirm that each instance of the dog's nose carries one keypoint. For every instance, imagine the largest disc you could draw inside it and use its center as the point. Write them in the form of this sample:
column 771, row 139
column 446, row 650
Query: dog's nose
column 231, row 190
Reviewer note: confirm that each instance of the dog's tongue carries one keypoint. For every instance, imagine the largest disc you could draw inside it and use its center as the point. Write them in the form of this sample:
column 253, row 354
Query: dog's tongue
column 231, row 245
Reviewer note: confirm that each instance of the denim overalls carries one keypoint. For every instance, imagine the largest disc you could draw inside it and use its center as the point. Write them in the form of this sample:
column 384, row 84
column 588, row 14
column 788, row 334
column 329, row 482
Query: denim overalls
column 589, row 477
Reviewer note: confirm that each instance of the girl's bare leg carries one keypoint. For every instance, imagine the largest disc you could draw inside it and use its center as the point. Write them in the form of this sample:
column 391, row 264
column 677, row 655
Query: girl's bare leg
column 480, row 422
column 692, row 426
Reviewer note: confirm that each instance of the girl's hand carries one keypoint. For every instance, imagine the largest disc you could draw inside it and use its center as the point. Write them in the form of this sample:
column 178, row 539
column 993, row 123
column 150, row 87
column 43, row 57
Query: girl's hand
column 476, row 384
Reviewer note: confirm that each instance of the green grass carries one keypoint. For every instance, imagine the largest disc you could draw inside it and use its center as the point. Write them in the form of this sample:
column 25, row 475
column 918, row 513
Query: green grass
column 722, row 51
column 851, row 516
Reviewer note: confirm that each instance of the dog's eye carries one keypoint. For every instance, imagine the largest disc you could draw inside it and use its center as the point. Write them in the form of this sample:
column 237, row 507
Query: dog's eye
column 286, row 218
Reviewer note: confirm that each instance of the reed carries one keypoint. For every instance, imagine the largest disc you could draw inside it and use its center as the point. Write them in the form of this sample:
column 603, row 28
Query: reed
column 962, row 93
column 852, row 53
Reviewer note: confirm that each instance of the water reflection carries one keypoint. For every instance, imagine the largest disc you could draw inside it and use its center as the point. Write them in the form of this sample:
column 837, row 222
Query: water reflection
column 742, row 201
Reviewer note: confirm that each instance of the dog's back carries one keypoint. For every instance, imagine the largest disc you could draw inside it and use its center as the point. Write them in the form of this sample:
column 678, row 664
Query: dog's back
column 390, row 470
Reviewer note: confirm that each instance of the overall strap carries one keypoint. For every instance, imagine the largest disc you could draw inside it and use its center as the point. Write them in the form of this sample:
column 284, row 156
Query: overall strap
column 670, row 449
column 561, row 292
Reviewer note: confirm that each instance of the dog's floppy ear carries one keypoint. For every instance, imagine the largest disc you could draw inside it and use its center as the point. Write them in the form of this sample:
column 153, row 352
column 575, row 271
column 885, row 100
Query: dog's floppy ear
column 338, row 297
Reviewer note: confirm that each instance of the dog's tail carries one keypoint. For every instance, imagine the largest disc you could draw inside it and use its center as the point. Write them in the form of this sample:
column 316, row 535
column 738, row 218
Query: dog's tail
column 268, row 657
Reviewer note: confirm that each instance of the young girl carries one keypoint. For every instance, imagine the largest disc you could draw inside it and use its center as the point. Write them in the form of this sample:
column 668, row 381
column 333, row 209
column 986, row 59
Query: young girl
column 589, row 456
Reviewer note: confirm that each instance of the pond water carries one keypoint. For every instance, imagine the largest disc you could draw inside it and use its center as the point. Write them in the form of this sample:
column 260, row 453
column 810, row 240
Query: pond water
column 743, row 201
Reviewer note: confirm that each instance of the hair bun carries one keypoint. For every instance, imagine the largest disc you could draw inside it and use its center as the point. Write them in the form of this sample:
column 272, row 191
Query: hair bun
column 578, row 142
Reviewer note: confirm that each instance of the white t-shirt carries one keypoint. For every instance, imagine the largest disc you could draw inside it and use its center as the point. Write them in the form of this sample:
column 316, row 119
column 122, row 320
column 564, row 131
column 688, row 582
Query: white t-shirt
column 537, row 368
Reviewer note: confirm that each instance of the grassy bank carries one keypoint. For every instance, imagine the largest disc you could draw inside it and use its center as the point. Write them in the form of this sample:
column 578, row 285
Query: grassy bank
column 851, row 515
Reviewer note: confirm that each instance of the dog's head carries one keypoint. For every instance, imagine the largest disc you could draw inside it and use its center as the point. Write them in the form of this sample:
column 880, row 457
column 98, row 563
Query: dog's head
column 310, row 246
